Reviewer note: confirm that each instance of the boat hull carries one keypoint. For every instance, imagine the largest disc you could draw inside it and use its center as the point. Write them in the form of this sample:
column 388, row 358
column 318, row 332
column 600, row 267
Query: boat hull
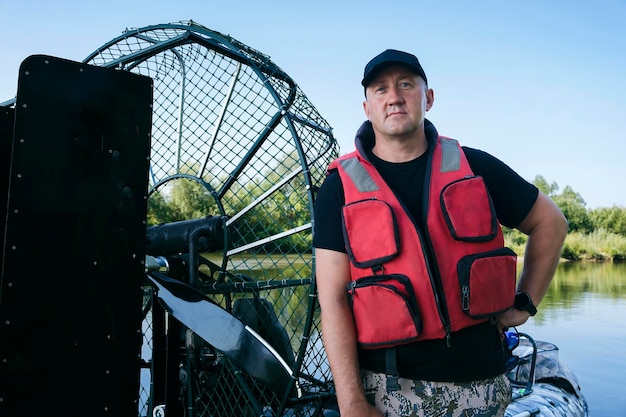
column 548, row 400
column 542, row 385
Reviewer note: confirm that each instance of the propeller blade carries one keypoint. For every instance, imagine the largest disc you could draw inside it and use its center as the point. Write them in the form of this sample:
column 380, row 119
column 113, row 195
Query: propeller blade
column 223, row 331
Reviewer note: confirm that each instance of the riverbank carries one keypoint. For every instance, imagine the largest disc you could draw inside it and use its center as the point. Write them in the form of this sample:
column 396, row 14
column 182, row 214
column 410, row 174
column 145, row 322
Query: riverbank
column 601, row 245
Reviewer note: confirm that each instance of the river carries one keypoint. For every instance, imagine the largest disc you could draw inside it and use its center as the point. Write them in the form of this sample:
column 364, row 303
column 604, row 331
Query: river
column 584, row 314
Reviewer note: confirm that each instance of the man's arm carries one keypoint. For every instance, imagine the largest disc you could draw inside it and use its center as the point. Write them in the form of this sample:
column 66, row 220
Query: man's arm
column 546, row 228
column 332, row 270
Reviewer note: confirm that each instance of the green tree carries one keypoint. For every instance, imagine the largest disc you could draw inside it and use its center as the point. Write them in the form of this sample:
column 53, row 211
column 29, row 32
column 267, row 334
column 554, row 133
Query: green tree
column 609, row 218
column 548, row 189
column 191, row 200
column 159, row 210
column 570, row 202
column 573, row 207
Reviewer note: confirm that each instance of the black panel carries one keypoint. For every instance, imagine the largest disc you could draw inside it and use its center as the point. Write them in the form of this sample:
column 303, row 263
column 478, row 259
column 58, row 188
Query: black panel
column 6, row 134
column 70, row 301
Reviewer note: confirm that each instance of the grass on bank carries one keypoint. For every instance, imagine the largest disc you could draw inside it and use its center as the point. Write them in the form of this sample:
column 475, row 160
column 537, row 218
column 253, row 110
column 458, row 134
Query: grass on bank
column 600, row 245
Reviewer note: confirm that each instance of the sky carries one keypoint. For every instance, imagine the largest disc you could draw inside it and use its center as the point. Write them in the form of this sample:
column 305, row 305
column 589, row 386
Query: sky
column 539, row 84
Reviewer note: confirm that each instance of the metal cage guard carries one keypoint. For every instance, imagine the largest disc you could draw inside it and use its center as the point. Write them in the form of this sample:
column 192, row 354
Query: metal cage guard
column 237, row 155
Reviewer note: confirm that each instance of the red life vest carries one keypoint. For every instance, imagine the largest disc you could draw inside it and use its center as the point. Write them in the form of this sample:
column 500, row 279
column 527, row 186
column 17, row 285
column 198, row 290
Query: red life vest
column 410, row 284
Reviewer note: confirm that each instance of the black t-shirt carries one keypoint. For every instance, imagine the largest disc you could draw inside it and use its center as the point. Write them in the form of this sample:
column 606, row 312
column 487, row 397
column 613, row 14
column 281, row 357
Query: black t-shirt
column 476, row 352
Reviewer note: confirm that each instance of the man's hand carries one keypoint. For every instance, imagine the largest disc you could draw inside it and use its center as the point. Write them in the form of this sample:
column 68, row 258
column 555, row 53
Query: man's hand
column 362, row 409
column 511, row 318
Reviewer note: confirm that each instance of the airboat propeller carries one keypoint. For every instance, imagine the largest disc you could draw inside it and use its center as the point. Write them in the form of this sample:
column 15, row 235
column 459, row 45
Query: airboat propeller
column 237, row 155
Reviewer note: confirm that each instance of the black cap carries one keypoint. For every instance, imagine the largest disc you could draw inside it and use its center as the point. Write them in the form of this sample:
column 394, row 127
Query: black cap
column 390, row 57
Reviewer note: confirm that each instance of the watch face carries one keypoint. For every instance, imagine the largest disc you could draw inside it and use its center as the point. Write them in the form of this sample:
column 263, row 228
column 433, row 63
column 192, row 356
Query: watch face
column 523, row 302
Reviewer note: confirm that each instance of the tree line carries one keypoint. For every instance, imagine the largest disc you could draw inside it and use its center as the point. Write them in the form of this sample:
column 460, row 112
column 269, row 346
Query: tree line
column 594, row 234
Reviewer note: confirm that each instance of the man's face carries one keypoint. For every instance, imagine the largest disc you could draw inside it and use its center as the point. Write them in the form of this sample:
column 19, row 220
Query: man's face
column 397, row 102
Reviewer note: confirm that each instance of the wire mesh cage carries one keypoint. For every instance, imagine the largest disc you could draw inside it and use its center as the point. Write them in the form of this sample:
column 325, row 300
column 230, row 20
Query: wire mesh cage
column 237, row 155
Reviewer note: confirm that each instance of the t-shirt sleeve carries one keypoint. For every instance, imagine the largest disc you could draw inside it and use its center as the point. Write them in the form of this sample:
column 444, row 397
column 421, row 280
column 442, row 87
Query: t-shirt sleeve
column 512, row 195
column 327, row 229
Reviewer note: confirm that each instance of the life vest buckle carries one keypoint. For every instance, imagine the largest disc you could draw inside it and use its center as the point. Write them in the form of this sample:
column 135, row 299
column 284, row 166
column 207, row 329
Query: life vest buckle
column 392, row 383
column 392, row 370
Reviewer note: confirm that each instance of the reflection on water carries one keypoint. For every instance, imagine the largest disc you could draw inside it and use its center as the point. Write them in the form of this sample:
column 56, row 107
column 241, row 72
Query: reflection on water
column 584, row 314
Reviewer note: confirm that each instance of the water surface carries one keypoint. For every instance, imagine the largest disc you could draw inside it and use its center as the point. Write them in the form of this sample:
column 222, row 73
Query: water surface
column 584, row 314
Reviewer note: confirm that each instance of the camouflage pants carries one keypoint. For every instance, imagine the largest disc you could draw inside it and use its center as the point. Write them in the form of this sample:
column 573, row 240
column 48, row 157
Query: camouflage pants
column 488, row 397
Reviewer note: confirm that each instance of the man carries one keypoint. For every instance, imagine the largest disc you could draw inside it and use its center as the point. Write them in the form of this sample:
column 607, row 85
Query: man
column 414, row 282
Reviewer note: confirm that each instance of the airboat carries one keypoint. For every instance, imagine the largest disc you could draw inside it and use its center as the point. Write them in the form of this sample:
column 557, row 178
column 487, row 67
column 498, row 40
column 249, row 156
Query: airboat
column 165, row 186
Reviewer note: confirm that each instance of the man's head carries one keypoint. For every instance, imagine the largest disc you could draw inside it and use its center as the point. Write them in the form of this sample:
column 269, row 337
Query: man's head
column 396, row 97
column 391, row 57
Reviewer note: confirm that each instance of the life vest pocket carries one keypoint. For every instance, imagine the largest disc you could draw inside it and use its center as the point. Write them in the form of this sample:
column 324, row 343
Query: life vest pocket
column 370, row 230
column 468, row 210
column 385, row 310
column 487, row 282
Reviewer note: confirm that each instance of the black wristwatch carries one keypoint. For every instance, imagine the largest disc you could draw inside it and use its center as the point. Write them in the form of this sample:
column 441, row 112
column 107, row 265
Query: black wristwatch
column 523, row 302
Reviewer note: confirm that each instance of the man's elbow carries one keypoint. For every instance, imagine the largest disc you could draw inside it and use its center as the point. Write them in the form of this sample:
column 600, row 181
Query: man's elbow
column 560, row 223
